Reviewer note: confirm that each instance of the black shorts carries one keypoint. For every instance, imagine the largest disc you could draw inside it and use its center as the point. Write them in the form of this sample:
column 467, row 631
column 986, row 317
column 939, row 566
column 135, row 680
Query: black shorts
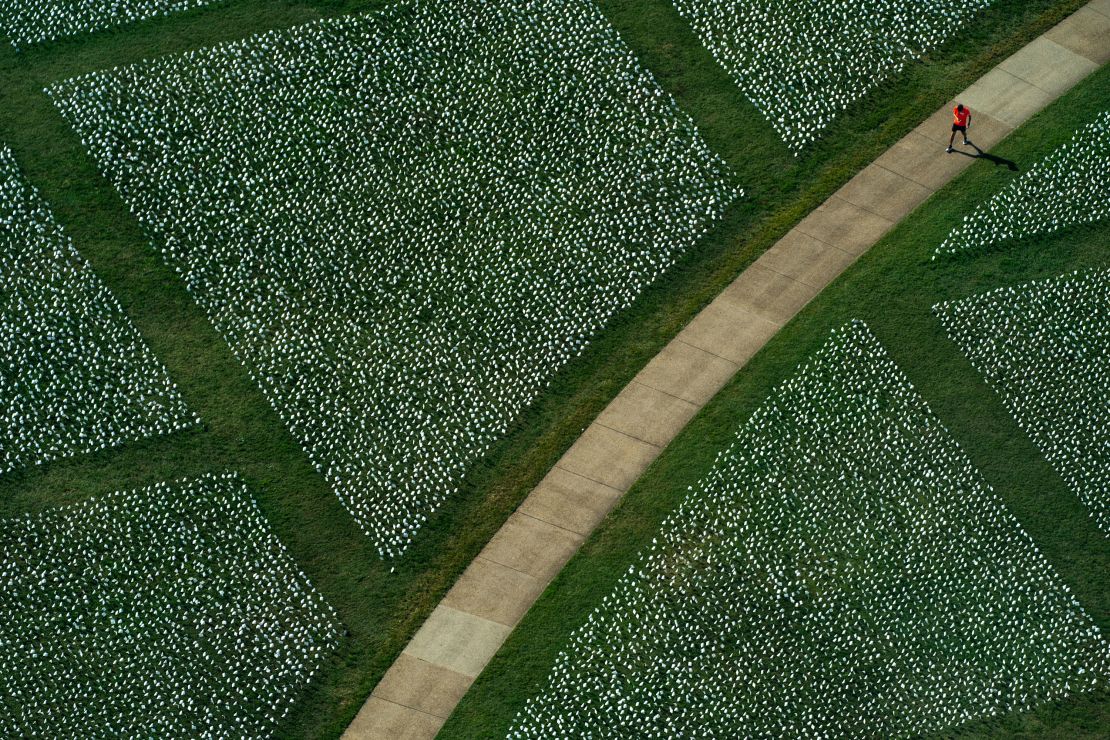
column 957, row 127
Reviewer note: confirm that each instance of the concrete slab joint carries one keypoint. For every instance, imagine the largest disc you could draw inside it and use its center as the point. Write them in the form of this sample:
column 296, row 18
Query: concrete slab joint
column 457, row 641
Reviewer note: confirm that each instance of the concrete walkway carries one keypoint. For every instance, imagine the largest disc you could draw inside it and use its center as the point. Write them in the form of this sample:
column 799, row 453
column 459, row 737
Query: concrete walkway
column 421, row 689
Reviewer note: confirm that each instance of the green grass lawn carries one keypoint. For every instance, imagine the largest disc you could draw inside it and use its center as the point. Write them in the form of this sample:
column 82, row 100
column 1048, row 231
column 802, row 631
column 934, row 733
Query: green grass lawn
column 381, row 609
column 842, row 570
column 397, row 291
column 188, row 569
column 892, row 288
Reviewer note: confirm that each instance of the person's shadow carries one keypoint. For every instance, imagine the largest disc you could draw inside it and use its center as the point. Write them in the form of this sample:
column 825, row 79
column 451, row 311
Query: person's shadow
column 980, row 154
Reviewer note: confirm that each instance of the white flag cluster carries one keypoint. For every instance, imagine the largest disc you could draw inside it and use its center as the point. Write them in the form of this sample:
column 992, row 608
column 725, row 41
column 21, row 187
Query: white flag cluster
column 1045, row 348
column 75, row 375
column 171, row 611
column 803, row 62
column 842, row 571
column 406, row 223
column 1070, row 186
column 28, row 22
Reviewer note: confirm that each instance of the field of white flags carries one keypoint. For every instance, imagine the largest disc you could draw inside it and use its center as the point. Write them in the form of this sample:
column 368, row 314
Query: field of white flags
column 75, row 376
column 1068, row 187
column 405, row 223
column 28, row 22
column 842, row 570
column 803, row 62
column 1045, row 348
column 171, row 611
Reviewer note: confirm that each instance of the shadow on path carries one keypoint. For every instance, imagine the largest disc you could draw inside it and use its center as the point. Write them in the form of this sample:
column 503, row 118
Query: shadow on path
column 980, row 154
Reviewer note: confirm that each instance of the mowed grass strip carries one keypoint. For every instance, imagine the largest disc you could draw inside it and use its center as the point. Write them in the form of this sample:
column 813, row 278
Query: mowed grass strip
column 1045, row 348
column 892, row 288
column 383, row 609
column 27, row 22
column 76, row 376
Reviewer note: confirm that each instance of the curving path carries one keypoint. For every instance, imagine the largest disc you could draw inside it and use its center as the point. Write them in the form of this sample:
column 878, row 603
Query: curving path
column 422, row 687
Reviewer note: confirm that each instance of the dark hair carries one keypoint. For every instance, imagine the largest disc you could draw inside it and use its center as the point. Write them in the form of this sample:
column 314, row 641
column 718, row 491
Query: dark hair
column 959, row 106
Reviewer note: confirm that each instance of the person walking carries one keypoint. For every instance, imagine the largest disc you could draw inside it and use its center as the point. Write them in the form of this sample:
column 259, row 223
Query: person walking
column 961, row 119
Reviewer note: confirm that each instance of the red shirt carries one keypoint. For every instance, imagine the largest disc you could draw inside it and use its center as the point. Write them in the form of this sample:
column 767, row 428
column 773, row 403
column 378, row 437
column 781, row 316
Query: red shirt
column 960, row 117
